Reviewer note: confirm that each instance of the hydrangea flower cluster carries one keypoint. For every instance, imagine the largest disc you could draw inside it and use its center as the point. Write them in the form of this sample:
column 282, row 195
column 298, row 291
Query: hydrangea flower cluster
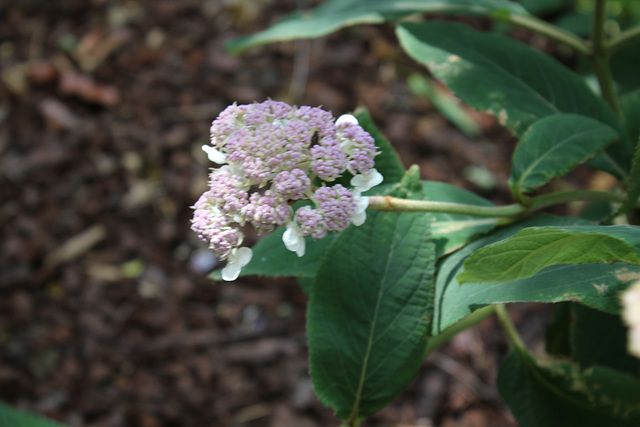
column 272, row 155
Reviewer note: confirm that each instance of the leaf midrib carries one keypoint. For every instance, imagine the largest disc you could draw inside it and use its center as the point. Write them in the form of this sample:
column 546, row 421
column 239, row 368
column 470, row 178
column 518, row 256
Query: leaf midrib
column 374, row 321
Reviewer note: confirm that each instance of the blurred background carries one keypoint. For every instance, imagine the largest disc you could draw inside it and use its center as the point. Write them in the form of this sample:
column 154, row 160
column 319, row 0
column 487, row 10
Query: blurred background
column 107, row 317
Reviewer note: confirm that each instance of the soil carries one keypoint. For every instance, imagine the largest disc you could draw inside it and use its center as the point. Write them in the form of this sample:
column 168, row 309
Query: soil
column 107, row 317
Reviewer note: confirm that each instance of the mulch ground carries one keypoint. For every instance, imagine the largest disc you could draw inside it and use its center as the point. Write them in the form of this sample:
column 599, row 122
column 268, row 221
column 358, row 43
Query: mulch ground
column 106, row 315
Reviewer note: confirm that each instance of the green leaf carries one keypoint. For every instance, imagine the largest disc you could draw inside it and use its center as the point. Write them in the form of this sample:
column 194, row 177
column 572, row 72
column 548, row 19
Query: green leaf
column 560, row 394
column 514, row 82
column 272, row 259
column 625, row 67
column 369, row 312
column 450, row 231
column 335, row 14
column 12, row 417
column 610, row 347
column 554, row 145
column 545, row 7
column 630, row 106
column 533, row 249
column 594, row 285
column 411, row 183
column 387, row 162
column 558, row 333
column 306, row 283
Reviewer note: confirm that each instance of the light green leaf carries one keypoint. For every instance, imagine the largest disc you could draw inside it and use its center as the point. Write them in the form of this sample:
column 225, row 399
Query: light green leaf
column 594, row 285
column 554, row 145
column 560, row 394
column 533, row 249
column 332, row 15
column 11, row 417
column 514, row 82
column 369, row 311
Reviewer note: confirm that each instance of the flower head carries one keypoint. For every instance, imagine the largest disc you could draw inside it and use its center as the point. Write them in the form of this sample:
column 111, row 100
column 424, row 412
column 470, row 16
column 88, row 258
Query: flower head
column 273, row 155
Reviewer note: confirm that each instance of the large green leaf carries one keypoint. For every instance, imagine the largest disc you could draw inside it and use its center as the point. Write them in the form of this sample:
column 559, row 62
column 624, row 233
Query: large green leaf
column 11, row 417
column 514, row 82
column 560, row 394
column 450, row 231
column 610, row 347
column 533, row 249
column 594, row 285
column 335, row 14
column 554, row 145
column 369, row 311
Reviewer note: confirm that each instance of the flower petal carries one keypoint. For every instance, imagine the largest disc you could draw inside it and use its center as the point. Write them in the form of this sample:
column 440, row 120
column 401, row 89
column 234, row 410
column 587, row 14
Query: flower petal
column 364, row 182
column 230, row 272
column 243, row 256
column 358, row 218
column 360, row 214
column 238, row 258
column 293, row 239
column 346, row 118
column 215, row 155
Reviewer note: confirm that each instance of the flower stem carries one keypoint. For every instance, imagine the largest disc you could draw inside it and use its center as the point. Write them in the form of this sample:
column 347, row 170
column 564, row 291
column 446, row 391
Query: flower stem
column 541, row 27
column 509, row 328
column 599, row 57
column 471, row 320
column 625, row 37
column 386, row 203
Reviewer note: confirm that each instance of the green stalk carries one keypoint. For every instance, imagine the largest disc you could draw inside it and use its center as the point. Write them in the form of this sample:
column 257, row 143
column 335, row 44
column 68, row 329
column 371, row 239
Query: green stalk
column 625, row 37
column 600, row 57
column 471, row 320
column 509, row 328
column 546, row 200
column 544, row 28
column 386, row 203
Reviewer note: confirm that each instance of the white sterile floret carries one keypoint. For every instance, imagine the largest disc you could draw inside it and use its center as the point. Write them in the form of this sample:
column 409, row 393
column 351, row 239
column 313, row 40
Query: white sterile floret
column 360, row 214
column 238, row 258
column 293, row 239
column 214, row 154
column 631, row 316
column 346, row 118
column 364, row 182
